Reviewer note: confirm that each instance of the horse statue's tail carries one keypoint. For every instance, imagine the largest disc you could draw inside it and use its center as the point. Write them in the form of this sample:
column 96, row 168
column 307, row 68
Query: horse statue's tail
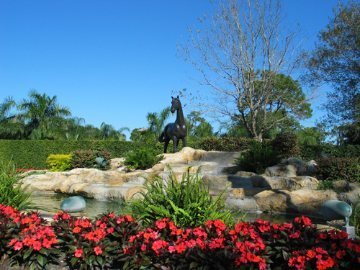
column 162, row 137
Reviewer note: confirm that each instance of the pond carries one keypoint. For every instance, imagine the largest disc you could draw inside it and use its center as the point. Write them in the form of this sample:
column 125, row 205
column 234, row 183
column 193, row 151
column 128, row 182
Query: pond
column 48, row 203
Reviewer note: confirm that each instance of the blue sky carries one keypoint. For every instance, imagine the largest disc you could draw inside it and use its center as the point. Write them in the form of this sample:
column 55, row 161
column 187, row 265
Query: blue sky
column 114, row 60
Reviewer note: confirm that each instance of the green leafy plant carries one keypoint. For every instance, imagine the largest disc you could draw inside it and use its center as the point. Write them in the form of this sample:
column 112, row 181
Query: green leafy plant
column 325, row 184
column 142, row 158
column 187, row 201
column 12, row 193
column 91, row 159
column 286, row 145
column 335, row 168
column 355, row 217
column 59, row 162
column 257, row 158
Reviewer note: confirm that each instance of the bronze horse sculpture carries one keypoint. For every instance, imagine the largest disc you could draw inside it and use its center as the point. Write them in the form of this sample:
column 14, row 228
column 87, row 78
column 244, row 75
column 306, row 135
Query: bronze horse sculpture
column 175, row 131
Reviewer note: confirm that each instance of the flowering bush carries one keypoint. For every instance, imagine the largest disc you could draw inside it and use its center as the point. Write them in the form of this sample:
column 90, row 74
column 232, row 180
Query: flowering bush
column 118, row 242
column 27, row 239
column 96, row 244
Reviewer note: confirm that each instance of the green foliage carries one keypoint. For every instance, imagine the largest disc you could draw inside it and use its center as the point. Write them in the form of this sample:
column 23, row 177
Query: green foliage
column 329, row 150
column 12, row 193
column 59, row 162
column 355, row 217
column 339, row 168
column 91, row 159
column 257, row 158
column 33, row 153
column 187, row 202
column 336, row 61
column 285, row 145
column 224, row 144
column 325, row 184
column 142, row 158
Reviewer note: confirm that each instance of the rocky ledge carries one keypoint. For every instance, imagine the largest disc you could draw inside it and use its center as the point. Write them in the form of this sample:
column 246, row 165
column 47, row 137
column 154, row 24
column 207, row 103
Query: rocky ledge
column 287, row 187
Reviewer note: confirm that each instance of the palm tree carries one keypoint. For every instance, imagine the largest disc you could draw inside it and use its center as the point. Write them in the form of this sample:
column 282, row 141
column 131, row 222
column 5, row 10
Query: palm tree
column 157, row 120
column 120, row 133
column 39, row 111
column 107, row 131
column 10, row 127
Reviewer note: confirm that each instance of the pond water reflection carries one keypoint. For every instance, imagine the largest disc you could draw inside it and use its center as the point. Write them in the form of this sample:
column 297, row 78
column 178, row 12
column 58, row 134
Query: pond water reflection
column 48, row 203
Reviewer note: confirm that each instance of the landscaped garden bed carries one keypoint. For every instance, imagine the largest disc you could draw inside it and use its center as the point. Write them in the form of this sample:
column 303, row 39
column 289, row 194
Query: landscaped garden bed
column 120, row 242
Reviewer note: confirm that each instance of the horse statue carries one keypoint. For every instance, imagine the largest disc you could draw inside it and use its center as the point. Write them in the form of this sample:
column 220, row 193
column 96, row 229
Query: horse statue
column 175, row 131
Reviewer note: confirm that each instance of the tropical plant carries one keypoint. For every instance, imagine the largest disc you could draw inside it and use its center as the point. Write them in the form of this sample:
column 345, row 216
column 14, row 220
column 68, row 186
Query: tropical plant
column 38, row 112
column 11, row 190
column 186, row 202
column 142, row 158
column 355, row 217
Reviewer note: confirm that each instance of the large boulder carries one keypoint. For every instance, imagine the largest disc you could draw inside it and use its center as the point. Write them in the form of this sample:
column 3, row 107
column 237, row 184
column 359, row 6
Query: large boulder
column 292, row 167
column 73, row 204
column 288, row 183
column 303, row 200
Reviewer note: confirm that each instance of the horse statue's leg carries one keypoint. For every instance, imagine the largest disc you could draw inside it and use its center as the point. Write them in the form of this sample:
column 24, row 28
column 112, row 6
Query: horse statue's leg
column 184, row 142
column 166, row 145
column 175, row 141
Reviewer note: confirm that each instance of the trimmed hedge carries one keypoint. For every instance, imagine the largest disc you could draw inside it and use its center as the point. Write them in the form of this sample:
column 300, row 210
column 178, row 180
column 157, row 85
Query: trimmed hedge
column 33, row 153
column 329, row 150
column 339, row 168
column 231, row 144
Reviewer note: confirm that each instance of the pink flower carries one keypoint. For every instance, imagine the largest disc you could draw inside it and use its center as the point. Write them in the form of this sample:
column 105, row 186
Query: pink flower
column 98, row 250
column 78, row 253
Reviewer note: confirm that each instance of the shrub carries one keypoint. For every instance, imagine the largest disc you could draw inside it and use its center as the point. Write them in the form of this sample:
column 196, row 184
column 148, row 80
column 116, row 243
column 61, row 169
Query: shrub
column 59, row 162
column 257, row 158
column 325, row 184
column 91, row 159
column 12, row 193
column 309, row 152
column 142, row 158
column 33, row 153
column 285, row 145
column 187, row 202
column 335, row 168
column 224, row 144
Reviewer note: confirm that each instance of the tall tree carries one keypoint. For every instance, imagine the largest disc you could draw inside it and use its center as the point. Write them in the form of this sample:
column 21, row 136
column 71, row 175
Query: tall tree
column 242, row 55
column 336, row 61
column 38, row 112
column 157, row 120
column 198, row 126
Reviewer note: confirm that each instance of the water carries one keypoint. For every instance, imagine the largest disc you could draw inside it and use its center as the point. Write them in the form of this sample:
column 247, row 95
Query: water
column 48, row 203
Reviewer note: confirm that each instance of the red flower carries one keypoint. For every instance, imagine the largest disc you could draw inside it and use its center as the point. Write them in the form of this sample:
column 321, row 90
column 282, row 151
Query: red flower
column 159, row 244
column 18, row 246
column 161, row 224
column 78, row 253
column 76, row 230
column 180, row 248
column 36, row 245
column 98, row 250
column 295, row 235
column 340, row 254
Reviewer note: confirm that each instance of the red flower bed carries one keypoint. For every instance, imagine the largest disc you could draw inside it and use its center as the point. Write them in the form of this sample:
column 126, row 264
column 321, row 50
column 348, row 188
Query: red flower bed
column 118, row 242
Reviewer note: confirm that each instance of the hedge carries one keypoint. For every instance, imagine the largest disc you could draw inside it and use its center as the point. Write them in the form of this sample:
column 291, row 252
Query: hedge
column 33, row 153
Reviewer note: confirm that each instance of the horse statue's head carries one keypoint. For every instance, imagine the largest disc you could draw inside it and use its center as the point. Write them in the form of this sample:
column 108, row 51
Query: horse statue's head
column 175, row 104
